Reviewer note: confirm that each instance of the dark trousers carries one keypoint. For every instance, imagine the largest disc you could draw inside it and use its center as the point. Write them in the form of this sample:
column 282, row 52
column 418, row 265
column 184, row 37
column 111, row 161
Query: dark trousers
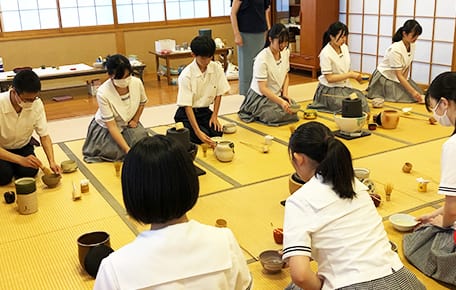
column 203, row 116
column 8, row 170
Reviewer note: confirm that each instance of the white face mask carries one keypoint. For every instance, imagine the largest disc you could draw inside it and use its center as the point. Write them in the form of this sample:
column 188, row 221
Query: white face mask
column 442, row 119
column 23, row 105
column 122, row 83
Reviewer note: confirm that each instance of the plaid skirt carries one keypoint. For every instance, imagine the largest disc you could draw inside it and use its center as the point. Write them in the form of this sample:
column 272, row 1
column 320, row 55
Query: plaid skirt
column 329, row 99
column 259, row 108
column 99, row 146
column 390, row 91
column 399, row 280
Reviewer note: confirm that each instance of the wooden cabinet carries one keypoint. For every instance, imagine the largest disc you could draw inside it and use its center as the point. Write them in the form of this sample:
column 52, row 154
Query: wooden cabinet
column 316, row 16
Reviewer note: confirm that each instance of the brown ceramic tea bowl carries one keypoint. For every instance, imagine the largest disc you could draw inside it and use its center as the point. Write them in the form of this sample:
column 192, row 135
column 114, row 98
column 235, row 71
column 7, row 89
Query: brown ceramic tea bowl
column 51, row 180
column 271, row 261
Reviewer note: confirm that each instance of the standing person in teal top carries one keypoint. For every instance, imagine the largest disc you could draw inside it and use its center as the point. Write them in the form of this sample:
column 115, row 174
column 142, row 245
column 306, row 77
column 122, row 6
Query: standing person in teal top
column 250, row 20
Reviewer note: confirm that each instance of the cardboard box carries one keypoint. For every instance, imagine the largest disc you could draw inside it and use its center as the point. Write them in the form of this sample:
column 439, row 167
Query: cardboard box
column 165, row 44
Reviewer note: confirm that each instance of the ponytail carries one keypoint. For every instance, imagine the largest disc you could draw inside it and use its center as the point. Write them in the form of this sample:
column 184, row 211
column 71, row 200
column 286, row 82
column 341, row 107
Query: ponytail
column 333, row 159
column 334, row 29
column 326, row 39
column 337, row 169
column 410, row 26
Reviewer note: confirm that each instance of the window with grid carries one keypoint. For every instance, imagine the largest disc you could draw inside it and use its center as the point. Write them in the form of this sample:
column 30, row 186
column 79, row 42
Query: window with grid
column 372, row 24
column 22, row 15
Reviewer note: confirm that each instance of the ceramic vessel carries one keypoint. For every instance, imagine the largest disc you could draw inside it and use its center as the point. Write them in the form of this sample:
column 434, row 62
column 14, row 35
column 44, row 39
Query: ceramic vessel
column 180, row 135
column 310, row 114
column 25, row 185
column 407, row 167
column 277, row 233
column 224, row 151
column 221, row 223
column 88, row 241
column 377, row 102
column 350, row 125
column 352, row 108
column 389, row 119
column 229, row 128
column 51, row 180
column 94, row 257
column 294, row 108
column 271, row 261
column 27, row 202
column 68, row 166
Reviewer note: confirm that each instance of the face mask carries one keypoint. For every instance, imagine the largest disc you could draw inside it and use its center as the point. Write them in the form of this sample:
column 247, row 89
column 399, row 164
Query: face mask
column 442, row 119
column 122, row 83
column 23, row 105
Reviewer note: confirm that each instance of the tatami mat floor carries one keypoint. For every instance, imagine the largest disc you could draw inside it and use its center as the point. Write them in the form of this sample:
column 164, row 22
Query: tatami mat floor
column 39, row 251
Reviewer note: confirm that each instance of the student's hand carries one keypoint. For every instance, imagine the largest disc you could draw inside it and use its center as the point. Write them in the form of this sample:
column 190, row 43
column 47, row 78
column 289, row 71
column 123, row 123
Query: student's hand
column 418, row 97
column 359, row 78
column 204, row 138
column 30, row 161
column 437, row 221
column 132, row 124
column 425, row 219
column 285, row 104
column 213, row 122
column 55, row 167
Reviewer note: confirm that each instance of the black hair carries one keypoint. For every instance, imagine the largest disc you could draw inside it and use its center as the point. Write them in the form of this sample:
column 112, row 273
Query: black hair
column 442, row 86
column 116, row 65
column 159, row 180
column 333, row 159
column 203, row 46
column 26, row 81
column 277, row 31
column 334, row 30
column 410, row 26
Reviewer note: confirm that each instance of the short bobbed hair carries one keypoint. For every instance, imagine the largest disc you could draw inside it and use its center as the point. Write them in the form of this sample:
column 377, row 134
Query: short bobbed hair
column 116, row 65
column 159, row 180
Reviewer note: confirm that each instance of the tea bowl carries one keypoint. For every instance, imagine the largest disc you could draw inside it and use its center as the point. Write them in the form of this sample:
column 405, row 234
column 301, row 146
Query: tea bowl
column 403, row 222
column 229, row 128
column 294, row 108
column 51, row 180
column 68, row 166
column 271, row 261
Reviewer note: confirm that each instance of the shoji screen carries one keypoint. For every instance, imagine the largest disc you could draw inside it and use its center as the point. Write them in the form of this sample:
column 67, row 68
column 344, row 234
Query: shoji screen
column 373, row 22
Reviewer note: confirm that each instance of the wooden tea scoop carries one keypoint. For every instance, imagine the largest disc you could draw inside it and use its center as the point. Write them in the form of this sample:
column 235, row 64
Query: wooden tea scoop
column 261, row 148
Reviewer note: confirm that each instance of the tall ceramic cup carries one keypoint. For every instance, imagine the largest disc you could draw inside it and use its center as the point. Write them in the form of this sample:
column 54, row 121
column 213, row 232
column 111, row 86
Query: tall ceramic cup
column 88, row 241
column 27, row 202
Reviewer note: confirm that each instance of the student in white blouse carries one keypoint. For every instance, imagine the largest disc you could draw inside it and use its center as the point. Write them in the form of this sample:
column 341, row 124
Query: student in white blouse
column 160, row 185
column 334, row 81
column 391, row 81
column 21, row 113
column 331, row 219
column 116, row 127
column 201, row 84
column 267, row 100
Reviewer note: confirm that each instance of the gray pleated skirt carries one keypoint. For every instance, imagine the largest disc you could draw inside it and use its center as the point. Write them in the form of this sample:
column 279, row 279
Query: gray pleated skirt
column 381, row 87
column 329, row 99
column 259, row 108
column 400, row 280
column 99, row 146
